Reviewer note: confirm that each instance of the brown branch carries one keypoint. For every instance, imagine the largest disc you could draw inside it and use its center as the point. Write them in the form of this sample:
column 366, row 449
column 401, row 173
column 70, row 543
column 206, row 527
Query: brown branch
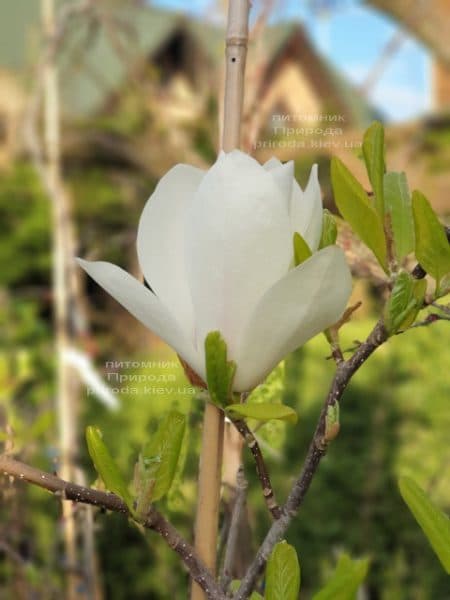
column 429, row 320
column 445, row 308
column 316, row 451
column 12, row 554
column 233, row 534
column 107, row 501
column 387, row 53
column 261, row 469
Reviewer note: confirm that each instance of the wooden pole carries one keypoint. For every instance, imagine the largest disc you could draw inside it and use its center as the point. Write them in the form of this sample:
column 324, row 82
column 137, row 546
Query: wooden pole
column 64, row 390
column 206, row 525
column 235, row 56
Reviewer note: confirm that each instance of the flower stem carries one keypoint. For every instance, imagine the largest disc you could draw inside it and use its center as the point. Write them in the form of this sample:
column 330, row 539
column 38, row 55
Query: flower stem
column 206, row 525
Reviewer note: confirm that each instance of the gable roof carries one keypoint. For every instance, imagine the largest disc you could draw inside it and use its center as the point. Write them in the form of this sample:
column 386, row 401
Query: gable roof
column 95, row 62
column 291, row 42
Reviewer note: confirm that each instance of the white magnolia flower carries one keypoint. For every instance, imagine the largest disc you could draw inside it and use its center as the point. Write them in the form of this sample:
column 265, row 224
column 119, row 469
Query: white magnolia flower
column 216, row 248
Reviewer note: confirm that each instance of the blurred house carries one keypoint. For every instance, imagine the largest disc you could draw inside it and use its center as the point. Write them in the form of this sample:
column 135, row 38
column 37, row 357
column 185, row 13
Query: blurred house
column 442, row 71
column 175, row 61
column 296, row 80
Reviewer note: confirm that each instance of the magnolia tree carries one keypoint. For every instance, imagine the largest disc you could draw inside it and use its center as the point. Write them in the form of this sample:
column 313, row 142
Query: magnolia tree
column 241, row 267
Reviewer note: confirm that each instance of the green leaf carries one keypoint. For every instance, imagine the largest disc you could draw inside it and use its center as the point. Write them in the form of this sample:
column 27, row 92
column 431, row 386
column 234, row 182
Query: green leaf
column 397, row 201
column 159, row 459
column 373, row 152
column 262, row 411
column 354, row 205
column 432, row 247
column 105, row 466
column 219, row 371
column 329, row 230
column 301, row 249
column 282, row 573
column 434, row 523
column 234, row 586
column 345, row 581
column 404, row 303
column 176, row 493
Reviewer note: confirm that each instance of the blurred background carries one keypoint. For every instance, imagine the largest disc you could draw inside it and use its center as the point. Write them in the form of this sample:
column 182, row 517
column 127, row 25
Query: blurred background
column 97, row 100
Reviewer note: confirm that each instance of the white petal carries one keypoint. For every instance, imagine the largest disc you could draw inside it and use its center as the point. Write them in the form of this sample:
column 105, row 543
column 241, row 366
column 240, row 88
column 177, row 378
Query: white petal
column 160, row 241
column 238, row 244
column 272, row 163
column 303, row 303
column 306, row 210
column 284, row 178
column 143, row 305
column 283, row 174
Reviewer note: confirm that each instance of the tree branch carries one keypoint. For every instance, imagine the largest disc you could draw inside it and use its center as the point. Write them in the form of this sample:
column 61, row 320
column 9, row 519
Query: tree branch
column 154, row 520
column 316, row 451
column 233, row 534
column 261, row 469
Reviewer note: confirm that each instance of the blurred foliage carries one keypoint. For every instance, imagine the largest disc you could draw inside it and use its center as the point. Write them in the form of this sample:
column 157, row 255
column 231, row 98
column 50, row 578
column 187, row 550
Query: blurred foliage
column 130, row 118
column 24, row 228
column 204, row 132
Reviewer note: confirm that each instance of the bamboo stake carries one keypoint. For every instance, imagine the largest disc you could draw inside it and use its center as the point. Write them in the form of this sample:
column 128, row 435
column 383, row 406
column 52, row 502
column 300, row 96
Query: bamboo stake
column 206, row 524
column 235, row 55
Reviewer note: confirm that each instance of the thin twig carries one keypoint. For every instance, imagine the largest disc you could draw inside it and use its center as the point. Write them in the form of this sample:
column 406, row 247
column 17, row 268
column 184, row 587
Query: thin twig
column 261, row 468
column 445, row 308
column 429, row 320
column 107, row 501
column 233, row 534
column 316, row 451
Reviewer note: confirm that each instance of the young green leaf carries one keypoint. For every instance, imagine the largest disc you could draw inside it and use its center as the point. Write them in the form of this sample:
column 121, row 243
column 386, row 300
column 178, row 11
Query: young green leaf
column 434, row 523
column 234, row 586
column 332, row 424
column 105, row 466
column 432, row 247
column 262, row 411
column 405, row 302
column 354, row 205
column 219, row 370
column 397, row 204
column 159, row 459
column 329, row 230
column 373, row 152
column 282, row 573
column 345, row 581
column 301, row 249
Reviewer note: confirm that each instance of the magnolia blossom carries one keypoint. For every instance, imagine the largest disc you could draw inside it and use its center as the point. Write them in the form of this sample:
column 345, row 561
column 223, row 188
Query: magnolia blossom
column 216, row 247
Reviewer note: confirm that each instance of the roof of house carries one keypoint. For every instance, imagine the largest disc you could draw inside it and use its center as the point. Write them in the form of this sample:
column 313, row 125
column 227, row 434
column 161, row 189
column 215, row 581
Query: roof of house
column 95, row 61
